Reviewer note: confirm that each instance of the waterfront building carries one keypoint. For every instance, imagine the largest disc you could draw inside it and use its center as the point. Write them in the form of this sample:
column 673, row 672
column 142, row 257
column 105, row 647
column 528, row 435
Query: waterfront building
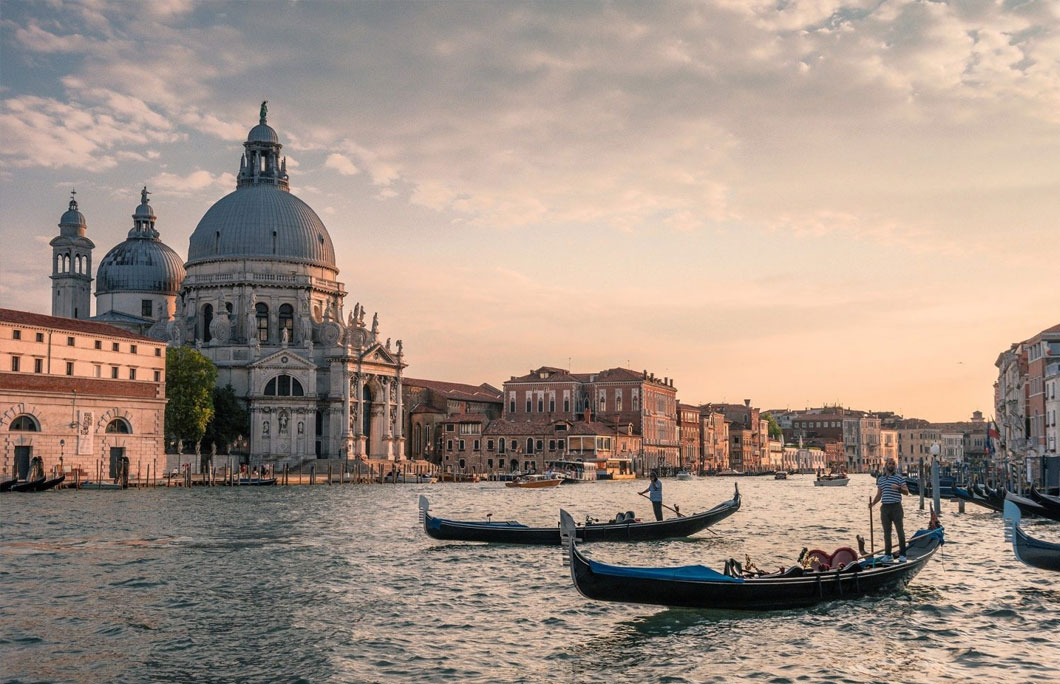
column 259, row 295
column 861, row 442
column 1020, row 394
column 748, row 435
column 430, row 402
column 80, row 395
column 888, row 445
column 714, row 437
column 689, row 429
column 616, row 397
column 1052, row 408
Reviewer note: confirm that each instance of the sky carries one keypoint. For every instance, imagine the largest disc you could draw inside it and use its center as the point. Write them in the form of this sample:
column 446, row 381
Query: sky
column 791, row 202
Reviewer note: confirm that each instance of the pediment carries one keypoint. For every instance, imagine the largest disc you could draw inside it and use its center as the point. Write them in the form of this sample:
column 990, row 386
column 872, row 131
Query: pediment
column 285, row 358
column 377, row 353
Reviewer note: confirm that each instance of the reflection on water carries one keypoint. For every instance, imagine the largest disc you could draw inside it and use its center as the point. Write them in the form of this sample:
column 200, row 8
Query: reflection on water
column 322, row 584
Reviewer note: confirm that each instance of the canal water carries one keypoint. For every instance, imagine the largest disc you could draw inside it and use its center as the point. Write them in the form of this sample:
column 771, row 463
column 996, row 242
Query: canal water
column 340, row 584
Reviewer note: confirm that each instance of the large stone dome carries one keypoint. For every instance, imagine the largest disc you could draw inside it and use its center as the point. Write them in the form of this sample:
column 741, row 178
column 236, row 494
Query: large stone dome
column 261, row 221
column 141, row 265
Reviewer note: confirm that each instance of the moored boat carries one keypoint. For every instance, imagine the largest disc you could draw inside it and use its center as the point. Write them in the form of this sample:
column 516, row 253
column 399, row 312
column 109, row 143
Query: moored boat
column 39, row 484
column 684, row 475
column 1045, row 500
column 89, row 484
column 697, row 586
column 1030, row 507
column 781, row 475
column 8, row 484
column 627, row 529
column 1030, row 551
column 255, row 481
column 840, row 480
column 535, row 482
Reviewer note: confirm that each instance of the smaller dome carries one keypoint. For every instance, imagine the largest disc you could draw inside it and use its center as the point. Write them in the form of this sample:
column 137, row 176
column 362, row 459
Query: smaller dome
column 72, row 217
column 263, row 132
column 140, row 265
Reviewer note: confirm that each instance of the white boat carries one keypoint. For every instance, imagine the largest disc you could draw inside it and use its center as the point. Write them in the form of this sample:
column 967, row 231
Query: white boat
column 831, row 481
column 685, row 475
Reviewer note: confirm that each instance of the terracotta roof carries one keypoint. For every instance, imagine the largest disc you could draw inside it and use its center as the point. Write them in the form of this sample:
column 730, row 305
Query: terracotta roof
column 555, row 375
column 535, row 426
column 593, row 427
column 33, row 382
column 457, row 390
column 426, row 408
column 73, row 325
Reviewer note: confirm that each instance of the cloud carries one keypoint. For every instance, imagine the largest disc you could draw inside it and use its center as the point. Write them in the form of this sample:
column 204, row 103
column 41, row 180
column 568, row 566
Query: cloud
column 194, row 183
column 341, row 164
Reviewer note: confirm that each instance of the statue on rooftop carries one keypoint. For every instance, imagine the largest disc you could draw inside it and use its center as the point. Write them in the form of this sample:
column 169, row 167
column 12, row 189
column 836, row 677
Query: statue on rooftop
column 264, row 110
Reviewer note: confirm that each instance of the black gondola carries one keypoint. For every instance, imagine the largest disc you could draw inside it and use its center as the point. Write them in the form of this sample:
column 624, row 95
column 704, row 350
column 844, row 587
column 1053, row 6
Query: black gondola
column 38, row 485
column 696, row 586
column 1050, row 502
column 970, row 494
column 1030, row 551
column 1030, row 507
column 512, row 532
column 255, row 481
column 8, row 484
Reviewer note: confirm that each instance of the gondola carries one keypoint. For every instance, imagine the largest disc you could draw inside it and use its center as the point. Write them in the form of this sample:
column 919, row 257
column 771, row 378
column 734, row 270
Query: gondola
column 972, row 496
column 1050, row 502
column 38, row 485
column 255, row 481
column 1029, row 507
column 1030, row 551
column 8, row 484
column 696, row 586
column 511, row 532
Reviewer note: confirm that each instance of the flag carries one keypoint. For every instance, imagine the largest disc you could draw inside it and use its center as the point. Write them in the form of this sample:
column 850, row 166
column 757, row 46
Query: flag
column 991, row 435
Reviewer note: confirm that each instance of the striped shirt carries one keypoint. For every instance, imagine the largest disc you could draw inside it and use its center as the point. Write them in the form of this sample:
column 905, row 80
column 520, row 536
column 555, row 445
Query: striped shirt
column 884, row 482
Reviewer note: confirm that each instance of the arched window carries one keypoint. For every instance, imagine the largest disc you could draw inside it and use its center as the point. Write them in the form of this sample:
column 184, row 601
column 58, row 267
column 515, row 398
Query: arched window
column 287, row 321
column 66, row 263
column 119, row 426
column 262, row 313
column 529, row 445
column 207, row 319
column 284, row 386
column 25, row 423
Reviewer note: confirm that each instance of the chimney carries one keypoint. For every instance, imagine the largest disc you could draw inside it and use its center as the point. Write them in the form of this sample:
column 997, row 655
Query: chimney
column 588, row 416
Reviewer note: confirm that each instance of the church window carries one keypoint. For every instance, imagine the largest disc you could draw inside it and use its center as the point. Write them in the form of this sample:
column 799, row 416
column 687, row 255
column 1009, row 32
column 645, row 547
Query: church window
column 284, row 386
column 119, row 426
column 207, row 319
column 262, row 313
column 25, row 423
column 287, row 321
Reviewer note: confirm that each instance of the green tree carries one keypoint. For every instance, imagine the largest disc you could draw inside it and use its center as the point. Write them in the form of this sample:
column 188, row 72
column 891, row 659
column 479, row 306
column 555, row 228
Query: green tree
column 774, row 429
column 229, row 421
column 190, row 379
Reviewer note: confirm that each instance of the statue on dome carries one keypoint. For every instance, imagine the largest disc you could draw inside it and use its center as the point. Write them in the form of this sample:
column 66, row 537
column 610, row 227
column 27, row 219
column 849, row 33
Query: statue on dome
column 375, row 324
column 264, row 110
column 400, row 347
column 143, row 195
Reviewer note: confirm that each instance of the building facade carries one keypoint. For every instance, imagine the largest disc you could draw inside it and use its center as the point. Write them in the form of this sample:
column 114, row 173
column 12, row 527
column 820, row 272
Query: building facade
column 82, row 396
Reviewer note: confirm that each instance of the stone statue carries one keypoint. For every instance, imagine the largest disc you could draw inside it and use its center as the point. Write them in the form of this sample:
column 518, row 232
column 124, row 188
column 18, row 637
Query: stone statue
column 252, row 318
column 375, row 324
column 283, row 338
column 307, row 331
column 360, row 319
column 351, row 321
column 388, row 344
column 264, row 110
column 357, row 312
column 303, row 303
column 282, row 420
column 143, row 195
column 400, row 348
column 265, row 427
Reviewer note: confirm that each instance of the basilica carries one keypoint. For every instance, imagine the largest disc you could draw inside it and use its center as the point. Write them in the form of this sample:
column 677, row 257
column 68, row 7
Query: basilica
column 260, row 296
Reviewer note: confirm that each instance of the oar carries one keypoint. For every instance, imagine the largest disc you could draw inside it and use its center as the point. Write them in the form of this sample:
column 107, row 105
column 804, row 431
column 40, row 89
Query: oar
column 679, row 514
column 872, row 530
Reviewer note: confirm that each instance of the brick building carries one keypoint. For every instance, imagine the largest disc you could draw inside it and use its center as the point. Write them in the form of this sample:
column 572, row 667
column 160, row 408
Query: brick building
column 82, row 392
column 430, row 402
column 714, row 440
column 689, row 429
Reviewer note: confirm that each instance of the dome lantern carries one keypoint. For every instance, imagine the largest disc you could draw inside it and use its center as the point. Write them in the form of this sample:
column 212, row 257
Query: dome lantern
column 261, row 164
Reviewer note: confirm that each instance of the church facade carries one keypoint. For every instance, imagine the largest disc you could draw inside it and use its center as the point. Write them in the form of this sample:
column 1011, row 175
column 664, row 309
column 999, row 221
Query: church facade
column 260, row 296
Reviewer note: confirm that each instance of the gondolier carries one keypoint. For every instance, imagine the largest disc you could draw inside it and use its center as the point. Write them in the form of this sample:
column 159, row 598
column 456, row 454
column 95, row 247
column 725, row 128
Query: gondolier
column 889, row 489
column 654, row 492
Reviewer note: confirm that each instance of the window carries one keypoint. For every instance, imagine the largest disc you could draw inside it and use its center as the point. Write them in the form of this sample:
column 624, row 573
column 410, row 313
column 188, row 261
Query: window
column 449, row 445
column 261, row 311
column 450, row 428
column 284, row 386
column 618, row 400
column 158, row 376
column 511, row 406
column 529, row 445
column 99, row 344
column 552, row 403
column 489, row 445
column 461, row 445
column 114, row 372
column 114, row 346
column 529, row 403
column 132, row 348
column 16, row 334
column 566, row 404
column 40, row 337
column 500, row 444
column 476, row 445
column 513, row 445
column 132, row 373
column 38, row 365
column 560, row 444
column 603, row 401
column 69, row 367
column 69, row 341
column 158, row 351
column 97, row 371
column 540, row 445
column 540, row 404
column 118, row 426
column 25, row 424
column 145, row 308
column 551, row 445
column 16, row 362
column 287, row 321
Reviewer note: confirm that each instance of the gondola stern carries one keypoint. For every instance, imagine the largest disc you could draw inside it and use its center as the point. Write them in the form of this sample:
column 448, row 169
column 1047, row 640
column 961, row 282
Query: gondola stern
column 424, row 507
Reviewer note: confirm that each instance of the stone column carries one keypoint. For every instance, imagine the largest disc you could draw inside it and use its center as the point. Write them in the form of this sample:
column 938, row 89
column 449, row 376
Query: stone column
column 389, row 421
column 346, row 410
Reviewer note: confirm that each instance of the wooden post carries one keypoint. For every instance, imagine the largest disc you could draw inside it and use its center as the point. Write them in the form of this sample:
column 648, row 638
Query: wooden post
column 329, row 472
column 312, row 473
column 920, row 482
column 299, row 472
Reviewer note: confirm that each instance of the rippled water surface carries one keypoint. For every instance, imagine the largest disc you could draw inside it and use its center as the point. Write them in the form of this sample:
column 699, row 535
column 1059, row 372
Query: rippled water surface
column 339, row 584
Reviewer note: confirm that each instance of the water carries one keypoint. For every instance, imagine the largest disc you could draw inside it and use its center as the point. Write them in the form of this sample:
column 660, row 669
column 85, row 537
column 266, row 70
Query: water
column 339, row 584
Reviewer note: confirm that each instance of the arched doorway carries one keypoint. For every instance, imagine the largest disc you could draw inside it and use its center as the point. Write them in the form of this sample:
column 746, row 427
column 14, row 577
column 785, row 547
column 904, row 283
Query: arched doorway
column 24, row 452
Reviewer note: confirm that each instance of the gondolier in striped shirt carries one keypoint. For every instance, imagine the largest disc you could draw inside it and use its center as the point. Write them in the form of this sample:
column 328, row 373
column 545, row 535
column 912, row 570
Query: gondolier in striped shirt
column 889, row 489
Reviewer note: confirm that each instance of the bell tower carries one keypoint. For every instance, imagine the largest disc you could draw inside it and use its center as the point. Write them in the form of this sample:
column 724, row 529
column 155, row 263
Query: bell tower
column 72, row 266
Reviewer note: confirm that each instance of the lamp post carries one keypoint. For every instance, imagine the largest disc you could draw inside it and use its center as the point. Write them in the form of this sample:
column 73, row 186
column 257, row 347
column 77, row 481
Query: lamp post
column 62, row 444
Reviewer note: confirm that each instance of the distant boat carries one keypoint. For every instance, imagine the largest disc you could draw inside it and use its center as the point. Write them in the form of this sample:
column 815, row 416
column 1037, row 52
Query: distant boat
column 833, row 480
column 685, row 475
column 88, row 484
column 781, row 475
column 535, row 482
column 255, row 481
column 729, row 471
